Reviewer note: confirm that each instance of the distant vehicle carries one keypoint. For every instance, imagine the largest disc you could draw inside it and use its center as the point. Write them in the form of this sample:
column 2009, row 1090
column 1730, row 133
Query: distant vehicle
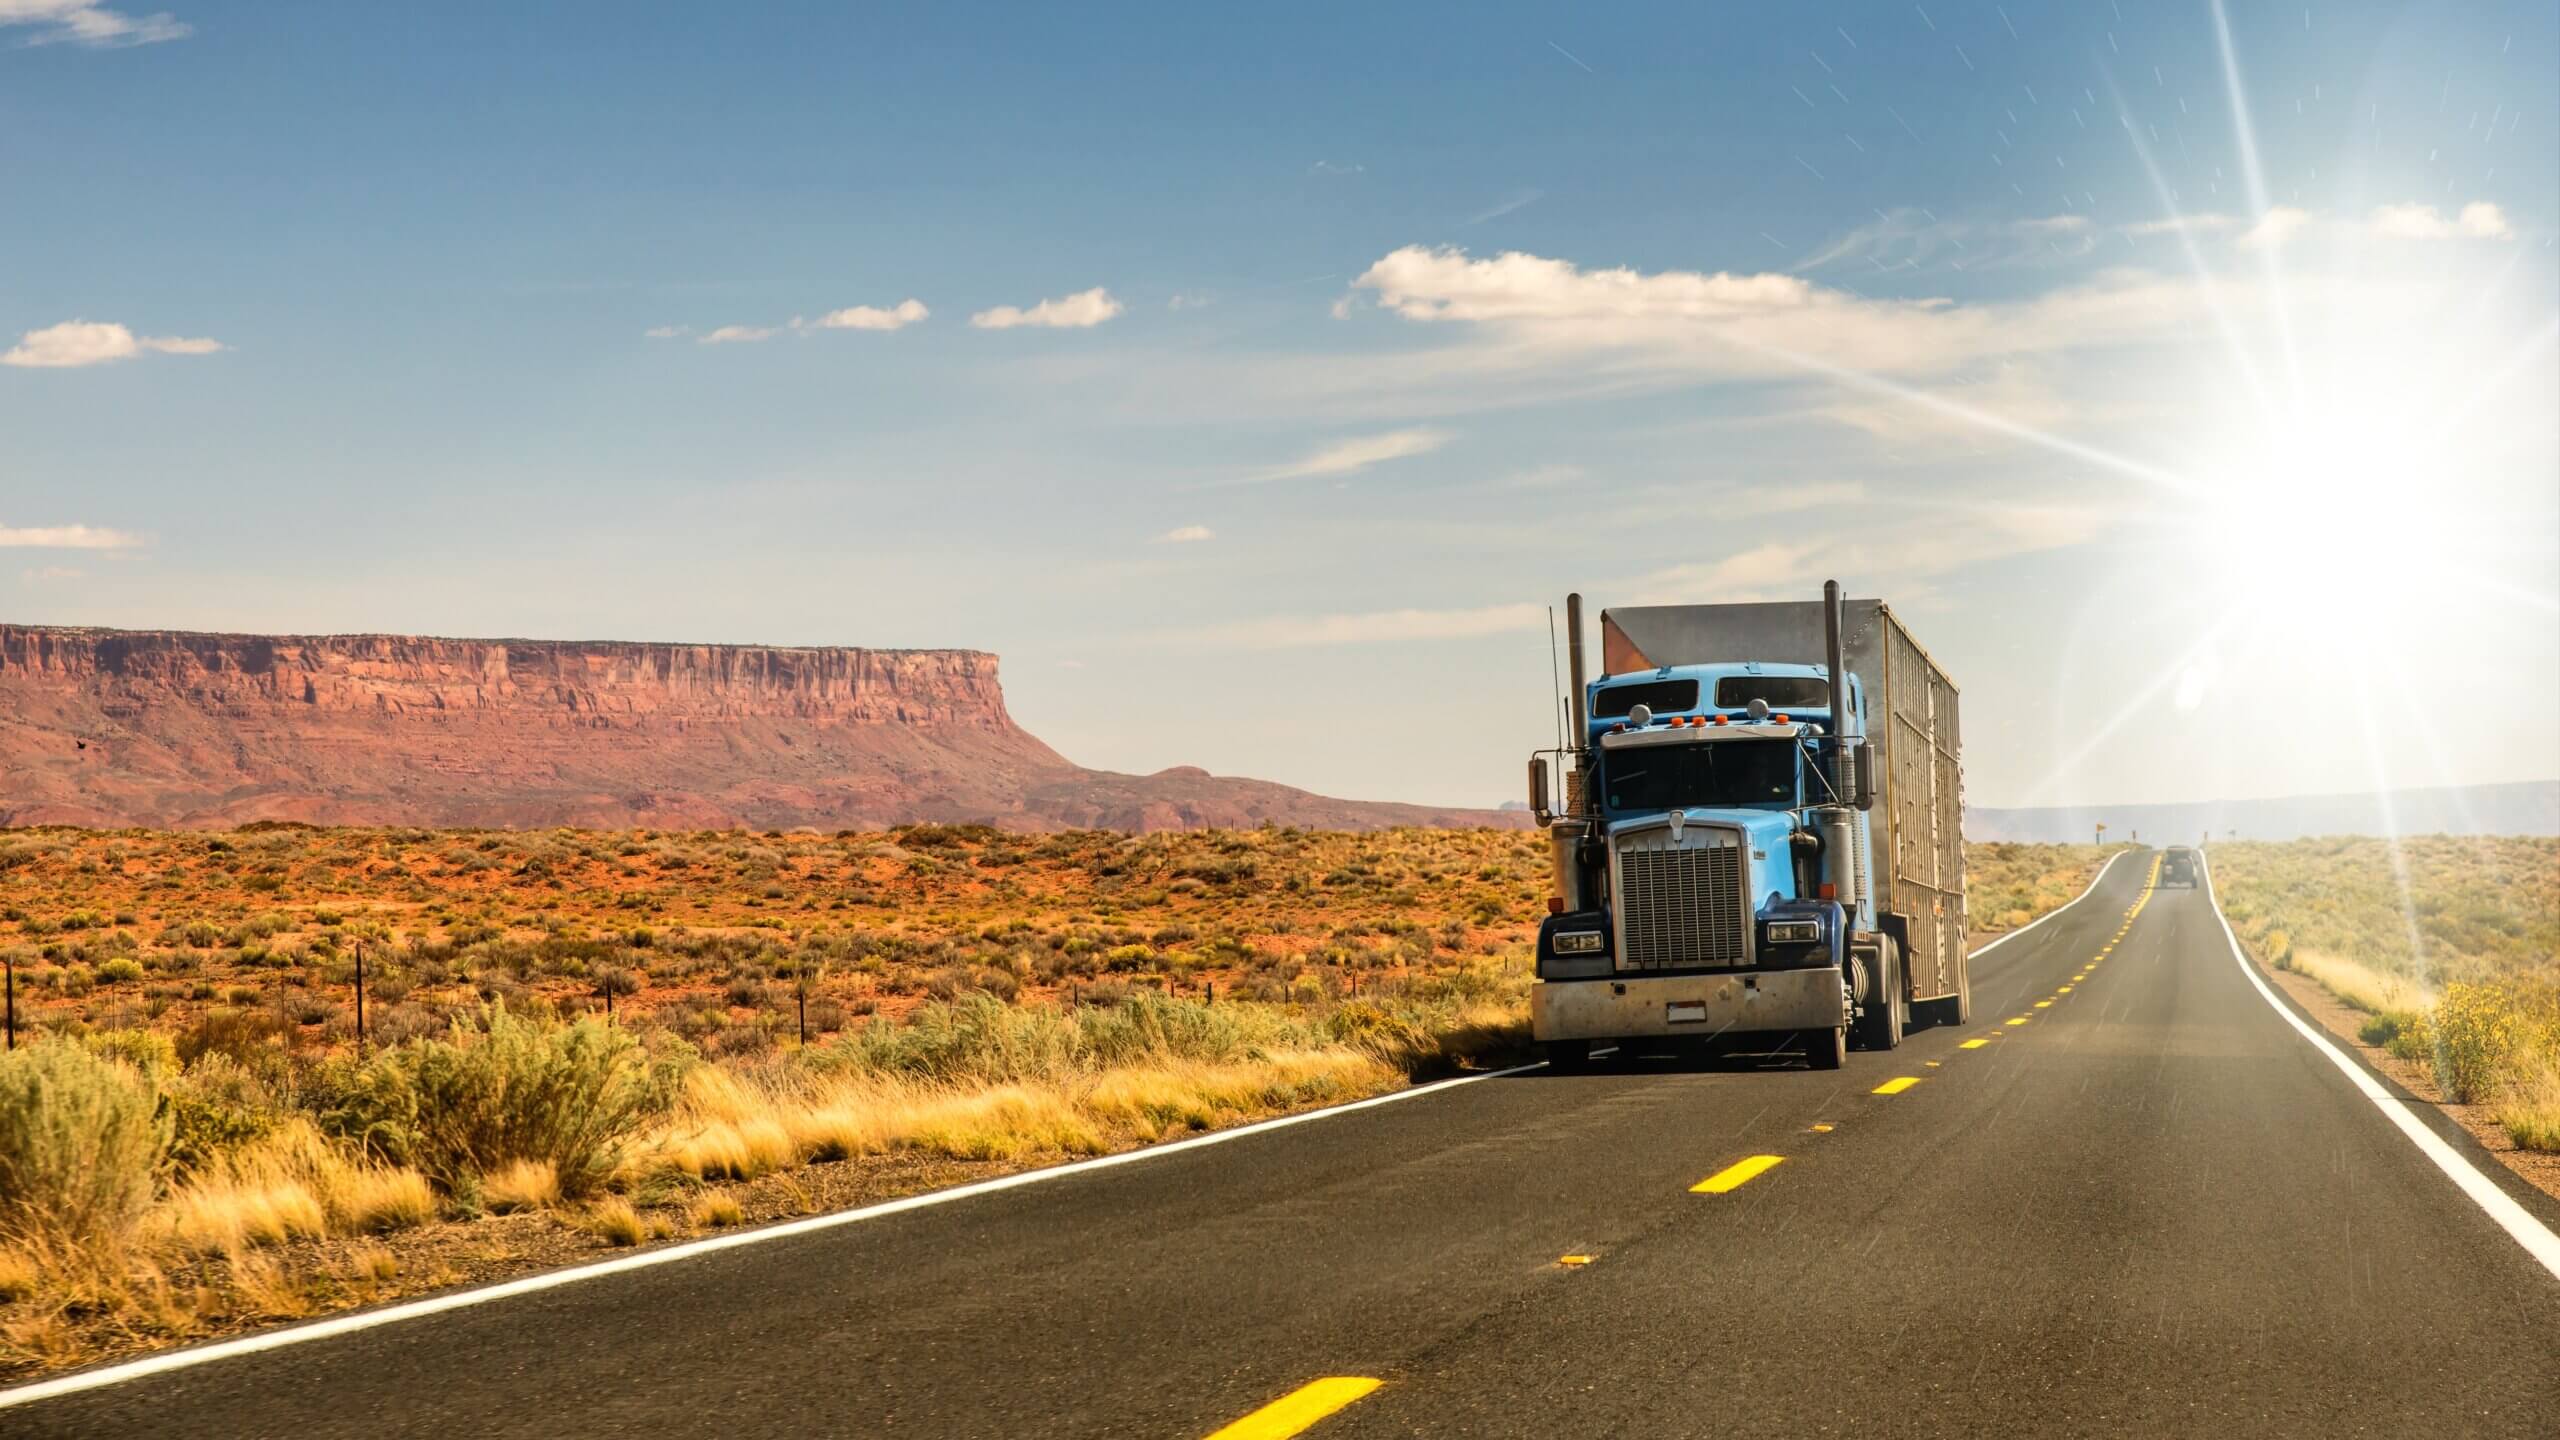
column 1760, row 831
column 2178, row 867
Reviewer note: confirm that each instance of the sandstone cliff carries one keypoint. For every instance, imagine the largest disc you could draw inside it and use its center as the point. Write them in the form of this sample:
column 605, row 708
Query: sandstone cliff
column 169, row 728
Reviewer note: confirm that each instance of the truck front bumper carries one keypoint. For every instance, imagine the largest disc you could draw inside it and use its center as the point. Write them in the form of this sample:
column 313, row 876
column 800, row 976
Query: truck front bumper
column 1646, row 1007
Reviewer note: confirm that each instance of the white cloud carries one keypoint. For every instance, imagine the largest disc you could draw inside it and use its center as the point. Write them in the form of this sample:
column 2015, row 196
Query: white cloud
column 44, row 574
column 75, row 343
column 872, row 317
column 1327, row 167
column 83, row 22
column 1349, row 457
column 66, row 537
column 1289, row 632
column 667, row 332
column 2274, row 228
column 1186, row 535
column 1080, row 311
column 2479, row 220
column 739, row 335
column 1188, row 300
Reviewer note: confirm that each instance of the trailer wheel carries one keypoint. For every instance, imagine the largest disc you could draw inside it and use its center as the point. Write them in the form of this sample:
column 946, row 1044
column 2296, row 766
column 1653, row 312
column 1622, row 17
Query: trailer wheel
column 1826, row 1049
column 1880, row 1028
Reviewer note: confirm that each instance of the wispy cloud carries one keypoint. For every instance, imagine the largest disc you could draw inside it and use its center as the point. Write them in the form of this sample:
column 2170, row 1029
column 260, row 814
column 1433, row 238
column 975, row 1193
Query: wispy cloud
column 739, row 334
column 1909, row 237
column 871, row 317
column 82, row 22
column 1289, row 632
column 75, row 343
column 1080, row 311
column 1186, row 535
column 667, row 332
column 1518, row 200
column 47, row 574
column 1327, row 167
column 2479, row 220
column 66, row 537
column 1349, row 457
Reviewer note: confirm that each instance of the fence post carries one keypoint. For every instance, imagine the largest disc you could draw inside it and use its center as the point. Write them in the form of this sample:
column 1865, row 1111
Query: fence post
column 359, row 996
column 802, row 994
column 11, row 958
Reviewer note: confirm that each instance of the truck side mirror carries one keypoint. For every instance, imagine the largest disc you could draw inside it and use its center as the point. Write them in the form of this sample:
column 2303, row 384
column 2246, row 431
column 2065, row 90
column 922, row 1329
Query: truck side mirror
column 1863, row 763
column 1538, row 790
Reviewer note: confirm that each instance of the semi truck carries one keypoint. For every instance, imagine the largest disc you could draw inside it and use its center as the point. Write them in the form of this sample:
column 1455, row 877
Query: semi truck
column 1756, row 829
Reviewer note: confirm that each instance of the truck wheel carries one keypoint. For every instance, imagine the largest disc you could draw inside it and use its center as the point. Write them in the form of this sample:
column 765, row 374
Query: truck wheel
column 1566, row 1054
column 1880, row 1028
column 1826, row 1049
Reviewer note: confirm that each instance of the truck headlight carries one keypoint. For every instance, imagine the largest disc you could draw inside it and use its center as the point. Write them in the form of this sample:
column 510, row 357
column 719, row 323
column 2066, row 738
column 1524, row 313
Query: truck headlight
column 1579, row 942
column 1791, row 932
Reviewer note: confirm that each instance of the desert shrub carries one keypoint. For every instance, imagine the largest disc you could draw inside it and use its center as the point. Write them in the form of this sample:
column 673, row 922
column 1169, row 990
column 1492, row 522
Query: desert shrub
column 80, row 1139
column 216, row 1105
column 2477, row 1038
column 510, row 1089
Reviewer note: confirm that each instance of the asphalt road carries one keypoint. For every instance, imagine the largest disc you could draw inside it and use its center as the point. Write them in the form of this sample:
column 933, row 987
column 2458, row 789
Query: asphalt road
column 2152, row 1208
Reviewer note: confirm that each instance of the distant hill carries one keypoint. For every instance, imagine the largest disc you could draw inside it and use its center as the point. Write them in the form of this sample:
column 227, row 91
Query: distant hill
column 159, row 728
column 2529, row 807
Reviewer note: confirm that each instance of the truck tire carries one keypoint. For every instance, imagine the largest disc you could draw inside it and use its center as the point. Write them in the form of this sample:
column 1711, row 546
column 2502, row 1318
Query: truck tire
column 1826, row 1049
column 1880, row 1028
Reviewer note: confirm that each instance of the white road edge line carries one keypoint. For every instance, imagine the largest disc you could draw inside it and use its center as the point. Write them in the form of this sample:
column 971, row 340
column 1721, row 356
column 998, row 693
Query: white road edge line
column 2530, row 1232
column 2056, row 910
column 553, row 1279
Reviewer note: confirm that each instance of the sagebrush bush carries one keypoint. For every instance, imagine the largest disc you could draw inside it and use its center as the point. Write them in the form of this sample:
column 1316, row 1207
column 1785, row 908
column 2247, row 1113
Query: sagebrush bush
column 507, row 1090
column 2477, row 1039
column 81, row 1137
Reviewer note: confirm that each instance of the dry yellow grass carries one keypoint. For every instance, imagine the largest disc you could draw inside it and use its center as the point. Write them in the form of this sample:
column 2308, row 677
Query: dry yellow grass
column 522, row 1185
column 2362, row 986
column 614, row 1221
column 716, row 1210
column 293, row 1184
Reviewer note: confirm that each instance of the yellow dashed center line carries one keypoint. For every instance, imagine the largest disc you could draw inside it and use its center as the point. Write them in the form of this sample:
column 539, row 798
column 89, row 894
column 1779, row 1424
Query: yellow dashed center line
column 2041, row 1004
column 1897, row 1085
column 1974, row 1044
column 2065, row 990
column 1294, row 1412
column 1573, row 1259
column 1820, row 1128
column 1733, row 1176
column 2020, row 1020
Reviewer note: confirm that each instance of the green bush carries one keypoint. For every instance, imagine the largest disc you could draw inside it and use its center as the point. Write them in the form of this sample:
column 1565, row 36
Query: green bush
column 216, row 1104
column 81, row 1137
column 509, row 1089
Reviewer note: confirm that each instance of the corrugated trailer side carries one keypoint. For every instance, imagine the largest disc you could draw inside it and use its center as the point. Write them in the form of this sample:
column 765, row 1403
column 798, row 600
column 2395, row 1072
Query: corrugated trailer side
column 1924, row 806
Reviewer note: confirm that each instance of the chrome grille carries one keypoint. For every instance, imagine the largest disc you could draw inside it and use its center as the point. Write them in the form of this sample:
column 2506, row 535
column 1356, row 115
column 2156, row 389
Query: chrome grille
column 1680, row 902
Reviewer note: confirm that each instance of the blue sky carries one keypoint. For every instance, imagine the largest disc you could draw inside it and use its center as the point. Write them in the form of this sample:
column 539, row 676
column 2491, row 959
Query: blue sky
column 1408, row 319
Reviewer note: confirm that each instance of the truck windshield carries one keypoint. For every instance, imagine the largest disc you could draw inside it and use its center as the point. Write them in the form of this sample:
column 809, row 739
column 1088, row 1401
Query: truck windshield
column 1704, row 775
